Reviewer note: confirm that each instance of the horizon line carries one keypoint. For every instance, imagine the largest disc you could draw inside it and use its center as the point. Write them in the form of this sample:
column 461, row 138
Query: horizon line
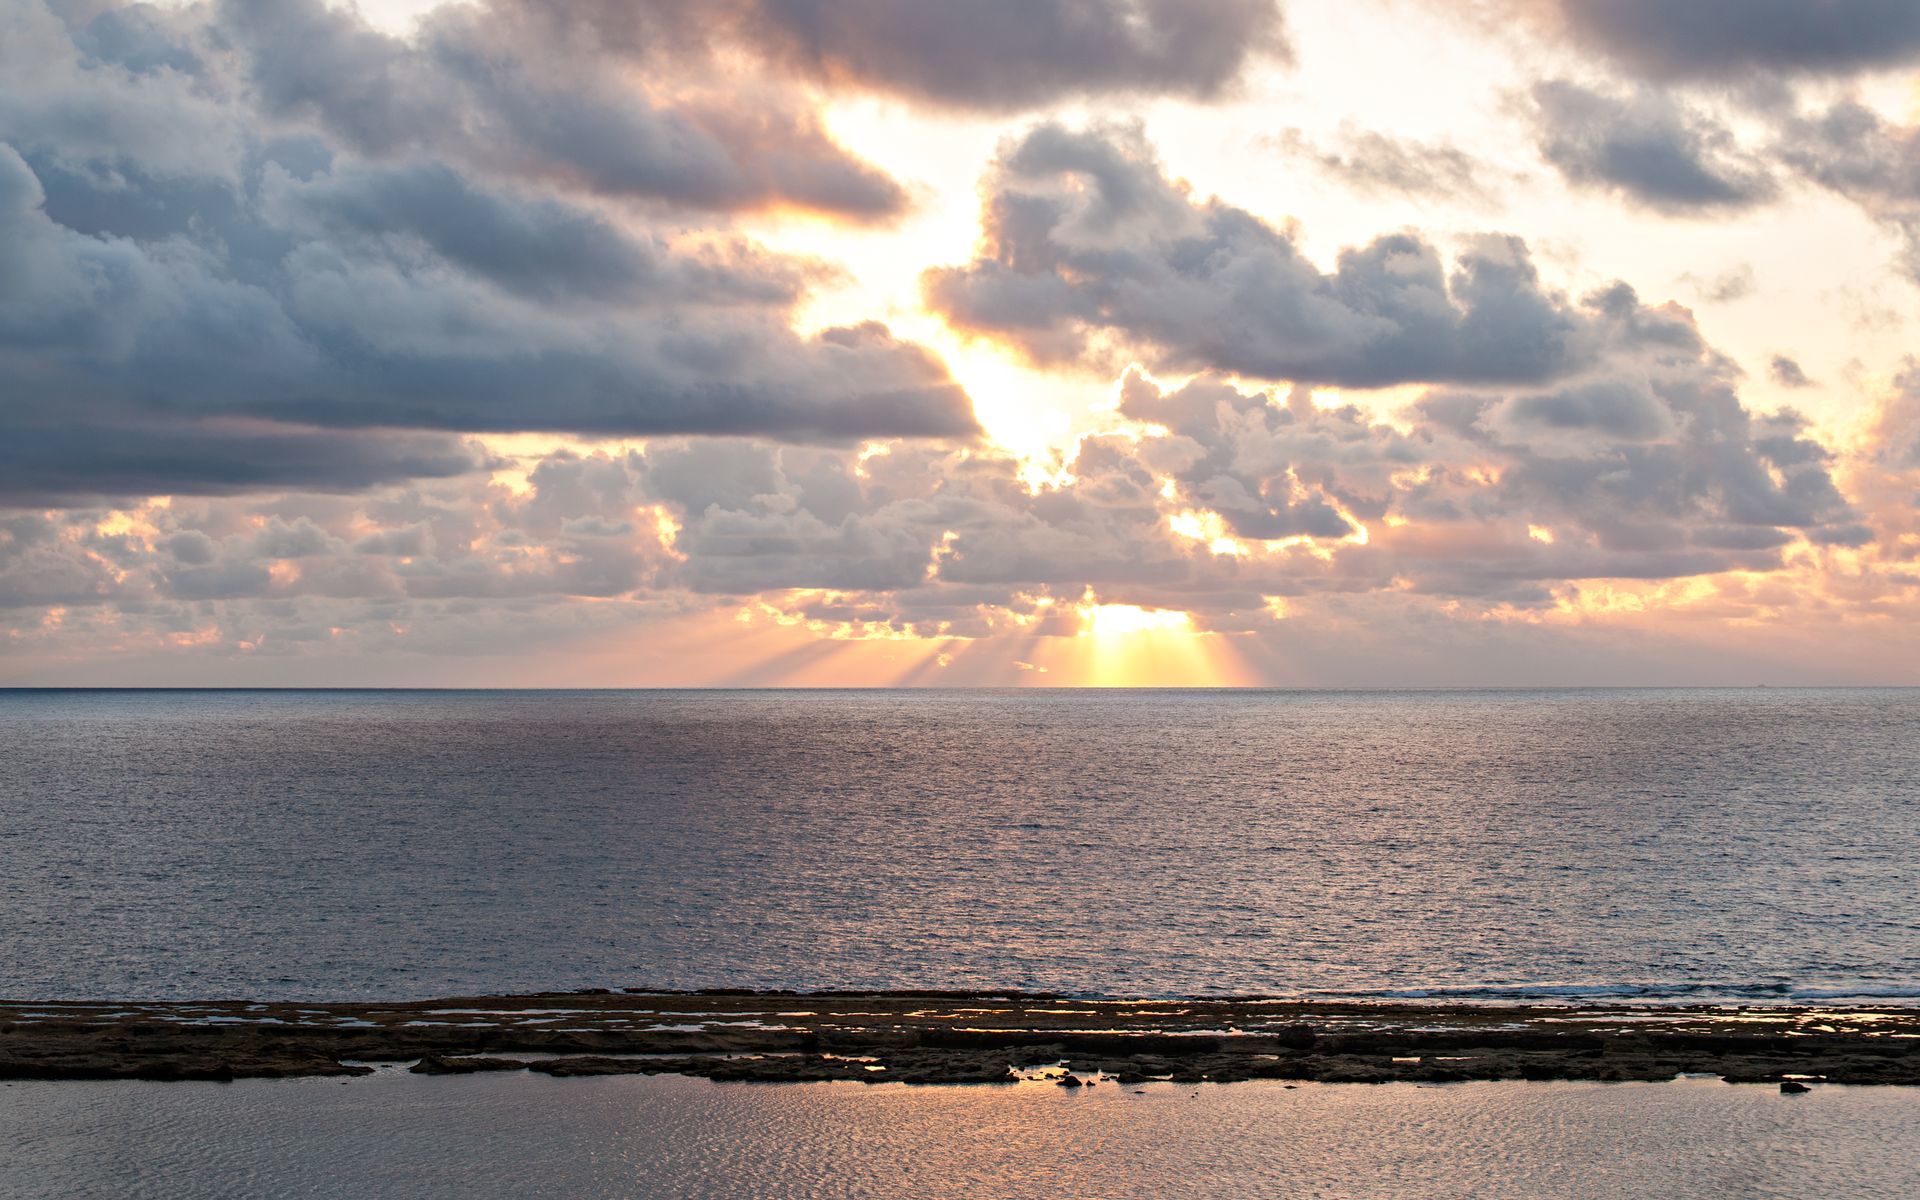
column 1504, row 687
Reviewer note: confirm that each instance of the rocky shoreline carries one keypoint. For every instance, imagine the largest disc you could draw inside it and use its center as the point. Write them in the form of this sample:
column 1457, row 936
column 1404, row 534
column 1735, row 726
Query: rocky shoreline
column 952, row 1037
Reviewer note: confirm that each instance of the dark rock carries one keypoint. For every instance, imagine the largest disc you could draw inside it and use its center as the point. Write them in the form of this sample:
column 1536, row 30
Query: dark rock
column 1794, row 1087
column 937, row 1037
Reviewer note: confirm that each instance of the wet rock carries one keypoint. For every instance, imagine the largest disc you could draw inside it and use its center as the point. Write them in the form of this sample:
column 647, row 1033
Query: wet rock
column 175, row 1068
column 945, row 1037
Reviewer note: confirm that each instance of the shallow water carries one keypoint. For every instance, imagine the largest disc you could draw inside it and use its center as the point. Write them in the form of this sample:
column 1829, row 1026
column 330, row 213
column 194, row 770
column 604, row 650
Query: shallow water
column 479, row 1136
column 1687, row 844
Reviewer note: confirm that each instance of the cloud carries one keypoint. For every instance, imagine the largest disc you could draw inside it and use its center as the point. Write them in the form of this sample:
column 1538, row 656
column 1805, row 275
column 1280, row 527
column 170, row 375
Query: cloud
column 1015, row 53
column 1609, row 418
column 1086, row 239
column 79, row 455
column 485, row 88
column 387, row 333
column 1723, row 39
column 1624, row 411
column 1267, row 517
column 1649, row 469
column 529, row 245
column 1375, row 163
column 138, row 100
column 268, row 271
column 1854, row 152
column 993, row 55
column 317, row 304
column 1210, row 498
column 1898, row 429
column 1672, row 157
column 1647, row 147
column 1787, row 372
column 1734, row 283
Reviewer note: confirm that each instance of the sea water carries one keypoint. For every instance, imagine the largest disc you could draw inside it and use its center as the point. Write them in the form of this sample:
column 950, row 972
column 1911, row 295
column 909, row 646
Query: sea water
column 1669, row 844
column 396, row 1135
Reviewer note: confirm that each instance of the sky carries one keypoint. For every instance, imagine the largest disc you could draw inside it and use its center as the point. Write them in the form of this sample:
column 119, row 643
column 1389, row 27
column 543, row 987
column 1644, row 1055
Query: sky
column 1313, row 343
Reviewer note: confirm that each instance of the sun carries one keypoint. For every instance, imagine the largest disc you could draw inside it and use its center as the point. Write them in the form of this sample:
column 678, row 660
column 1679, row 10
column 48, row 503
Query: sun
column 1130, row 645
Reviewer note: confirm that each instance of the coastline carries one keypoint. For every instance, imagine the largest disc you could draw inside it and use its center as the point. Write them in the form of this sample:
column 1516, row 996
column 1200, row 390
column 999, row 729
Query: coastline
column 949, row 1037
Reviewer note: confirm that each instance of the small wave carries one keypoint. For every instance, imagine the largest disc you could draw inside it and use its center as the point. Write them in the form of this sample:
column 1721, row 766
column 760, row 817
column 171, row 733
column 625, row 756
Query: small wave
column 1567, row 991
column 1866, row 992
column 1775, row 992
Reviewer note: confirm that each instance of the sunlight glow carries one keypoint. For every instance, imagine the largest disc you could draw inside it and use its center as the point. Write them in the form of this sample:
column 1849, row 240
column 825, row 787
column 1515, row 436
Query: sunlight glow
column 1208, row 527
column 1121, row 620
column 664, row 526
column 1126, row 645
column 1022, row 410
column 1090, row 644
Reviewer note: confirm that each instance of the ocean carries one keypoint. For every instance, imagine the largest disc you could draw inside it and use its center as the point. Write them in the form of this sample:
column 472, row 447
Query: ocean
column 399, row 1135
column 1687, row 845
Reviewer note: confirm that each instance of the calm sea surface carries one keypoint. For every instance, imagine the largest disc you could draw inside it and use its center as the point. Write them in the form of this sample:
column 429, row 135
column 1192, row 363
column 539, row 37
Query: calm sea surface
column 514, row 1136
column 1760, row 844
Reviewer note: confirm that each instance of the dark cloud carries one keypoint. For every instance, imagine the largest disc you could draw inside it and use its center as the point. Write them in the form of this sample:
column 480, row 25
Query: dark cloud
column 274, row 264
column 1709, row 39
column 487, row 90
column 380, row 334
column 1854, row 152
column 1623, row 410
column 1270, row 471
column 997, row 55
column 1087, row 238
column 74, row 456
column 1375, row 163
column 219, row 302
column 1787, row 372
column 530, row 245
column 1717, row 465
column 1660, row 149
column 1648, row 147
column 1015, row 53
column 101, row 115
column 279, row 538
column 1651, row 470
